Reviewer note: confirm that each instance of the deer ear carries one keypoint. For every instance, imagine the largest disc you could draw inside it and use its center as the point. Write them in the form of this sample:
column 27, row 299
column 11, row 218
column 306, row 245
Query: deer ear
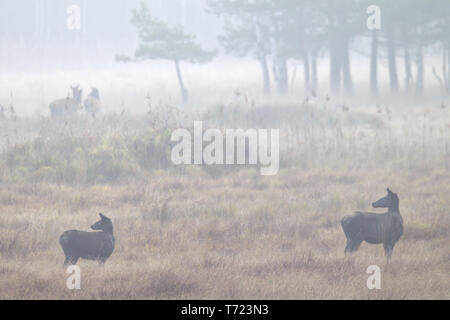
column 101, row 215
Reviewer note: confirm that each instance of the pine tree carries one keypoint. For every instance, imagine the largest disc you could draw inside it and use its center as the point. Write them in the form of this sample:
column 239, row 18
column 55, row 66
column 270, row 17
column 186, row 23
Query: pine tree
column 160, row 41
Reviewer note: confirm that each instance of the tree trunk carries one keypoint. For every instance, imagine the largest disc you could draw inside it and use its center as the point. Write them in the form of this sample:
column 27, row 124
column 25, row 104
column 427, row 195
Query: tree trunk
column 266, row 75
column 446, row 67
column 393, row 77
column 374, row 65
column 284, row 77
column 184, row 93
column 280, row 75
column 346, row 72
column 408, row 73
column 314, row 76
column 420, row 74
column 293, row 76
column 335, row 68
column 306, row 72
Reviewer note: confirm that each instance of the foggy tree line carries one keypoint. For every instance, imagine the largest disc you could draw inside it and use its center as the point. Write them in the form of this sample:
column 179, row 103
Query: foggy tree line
column 274, row 32
column 278, row 34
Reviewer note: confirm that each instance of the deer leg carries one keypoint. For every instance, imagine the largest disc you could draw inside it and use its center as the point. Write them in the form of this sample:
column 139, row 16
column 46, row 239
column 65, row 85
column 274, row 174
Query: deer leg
column 66, row 261
column 355, row 245
column 348, row 246
column 70, row 260
column 73, row 260
column 388, row 251
column 349, row 240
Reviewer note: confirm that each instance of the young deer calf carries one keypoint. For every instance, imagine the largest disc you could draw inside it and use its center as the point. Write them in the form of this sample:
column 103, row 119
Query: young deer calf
column 89, row 245
column 386, row 228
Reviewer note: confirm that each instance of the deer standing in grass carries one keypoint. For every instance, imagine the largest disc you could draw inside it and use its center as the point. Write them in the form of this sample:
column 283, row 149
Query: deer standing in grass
column 89, row 245
column 386, row 228
column 92, row 103
column 67, row 106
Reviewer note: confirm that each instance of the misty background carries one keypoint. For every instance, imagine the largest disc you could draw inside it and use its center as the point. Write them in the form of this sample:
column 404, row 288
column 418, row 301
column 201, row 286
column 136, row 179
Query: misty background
column 299, row 50
column 357, row 110
column 34, row 33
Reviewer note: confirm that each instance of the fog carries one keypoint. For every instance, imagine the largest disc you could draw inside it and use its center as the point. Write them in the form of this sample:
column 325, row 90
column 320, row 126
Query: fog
column 36, row 35
column 43, row 55
column 132, row 109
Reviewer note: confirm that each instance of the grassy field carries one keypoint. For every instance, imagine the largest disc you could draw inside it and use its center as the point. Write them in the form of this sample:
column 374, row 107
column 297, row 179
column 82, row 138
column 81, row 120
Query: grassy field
column 214, row 233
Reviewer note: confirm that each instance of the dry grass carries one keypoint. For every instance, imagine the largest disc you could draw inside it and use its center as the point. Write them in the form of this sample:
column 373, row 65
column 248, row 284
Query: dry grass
column 240, row 235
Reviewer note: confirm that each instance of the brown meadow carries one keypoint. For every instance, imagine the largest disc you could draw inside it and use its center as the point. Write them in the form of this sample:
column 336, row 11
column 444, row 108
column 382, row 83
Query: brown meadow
column 195, row 234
